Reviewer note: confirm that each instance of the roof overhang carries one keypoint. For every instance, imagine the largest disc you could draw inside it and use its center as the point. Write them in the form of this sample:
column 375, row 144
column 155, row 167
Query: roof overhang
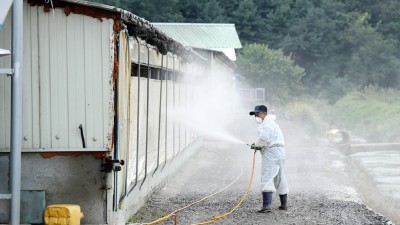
column 136, row 25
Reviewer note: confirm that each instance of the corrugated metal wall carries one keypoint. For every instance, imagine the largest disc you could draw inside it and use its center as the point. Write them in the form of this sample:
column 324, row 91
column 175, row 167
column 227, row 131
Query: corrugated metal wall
column 5, row 87
column 161, row 132
column 67, row 70
column 68, row 63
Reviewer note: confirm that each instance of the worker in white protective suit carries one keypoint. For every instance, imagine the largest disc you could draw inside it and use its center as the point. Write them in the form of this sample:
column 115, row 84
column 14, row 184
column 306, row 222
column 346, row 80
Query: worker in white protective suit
column 270, row 138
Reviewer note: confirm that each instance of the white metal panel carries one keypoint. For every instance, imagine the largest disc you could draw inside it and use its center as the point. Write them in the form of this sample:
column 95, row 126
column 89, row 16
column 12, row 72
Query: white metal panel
column 124, row 78
column 96, row 139
column 27, row 85
column 188, row 107
column 143, row 54
column 182, row 101
column 169, row 61
column 154, row 103
column 58, row 79
column 162, row 110
column 34, row 73
column 76, row 79
column 44, row 80
column 142, row 125
column 68, row 63
column 100, row 92
column 5, row 87
column 162, row 122
column 155, row 56
column 177, row 122
column 89, row 79
column 133, row 47
column 30, row 116
column 133, row 132
column 170, row 120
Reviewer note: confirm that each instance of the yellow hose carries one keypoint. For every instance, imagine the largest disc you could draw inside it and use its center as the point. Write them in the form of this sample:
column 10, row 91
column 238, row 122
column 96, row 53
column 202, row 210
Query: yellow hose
column 209, row 196
column 240, row 202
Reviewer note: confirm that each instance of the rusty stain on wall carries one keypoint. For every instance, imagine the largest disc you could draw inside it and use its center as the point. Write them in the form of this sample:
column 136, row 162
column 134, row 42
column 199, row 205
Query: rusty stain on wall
column 97, row 155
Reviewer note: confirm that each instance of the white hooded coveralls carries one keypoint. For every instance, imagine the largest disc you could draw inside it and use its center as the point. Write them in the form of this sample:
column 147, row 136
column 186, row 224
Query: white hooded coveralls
column 273, row 157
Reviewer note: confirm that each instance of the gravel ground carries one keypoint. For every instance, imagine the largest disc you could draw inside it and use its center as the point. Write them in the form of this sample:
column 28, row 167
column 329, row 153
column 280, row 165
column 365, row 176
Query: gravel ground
column 321, row 190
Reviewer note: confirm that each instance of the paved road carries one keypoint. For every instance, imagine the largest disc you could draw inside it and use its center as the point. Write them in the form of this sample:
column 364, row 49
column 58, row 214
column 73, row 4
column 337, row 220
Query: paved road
column 321, row 191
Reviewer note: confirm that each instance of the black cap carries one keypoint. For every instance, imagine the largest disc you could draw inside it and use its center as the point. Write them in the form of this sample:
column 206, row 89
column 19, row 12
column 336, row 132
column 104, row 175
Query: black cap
column 258, row 108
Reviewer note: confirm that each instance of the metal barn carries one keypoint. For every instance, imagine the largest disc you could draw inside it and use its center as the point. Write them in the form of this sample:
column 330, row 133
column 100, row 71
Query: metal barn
column 101, row 91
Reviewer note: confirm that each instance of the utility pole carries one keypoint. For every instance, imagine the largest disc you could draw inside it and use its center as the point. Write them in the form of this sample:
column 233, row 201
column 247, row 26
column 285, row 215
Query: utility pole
column 16, row 111
column 16, row 103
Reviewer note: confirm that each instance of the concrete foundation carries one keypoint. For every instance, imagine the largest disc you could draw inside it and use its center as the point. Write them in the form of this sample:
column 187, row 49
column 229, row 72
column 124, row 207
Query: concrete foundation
column 64, row 179
column 78, row 180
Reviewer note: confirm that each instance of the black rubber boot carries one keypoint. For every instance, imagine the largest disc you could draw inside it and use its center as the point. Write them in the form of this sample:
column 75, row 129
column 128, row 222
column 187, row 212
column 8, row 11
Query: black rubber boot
column 283, row 199
column 267, row 200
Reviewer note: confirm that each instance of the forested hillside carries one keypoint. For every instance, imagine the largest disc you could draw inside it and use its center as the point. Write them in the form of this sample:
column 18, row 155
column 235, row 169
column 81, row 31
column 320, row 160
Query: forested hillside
column 342, row 45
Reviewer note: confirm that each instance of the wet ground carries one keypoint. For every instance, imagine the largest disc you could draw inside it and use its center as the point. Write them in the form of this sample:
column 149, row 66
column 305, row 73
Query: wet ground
column 378, row 180
column 322, row 190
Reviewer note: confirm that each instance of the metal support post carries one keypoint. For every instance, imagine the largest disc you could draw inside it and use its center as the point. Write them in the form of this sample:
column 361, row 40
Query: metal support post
column 16, row 111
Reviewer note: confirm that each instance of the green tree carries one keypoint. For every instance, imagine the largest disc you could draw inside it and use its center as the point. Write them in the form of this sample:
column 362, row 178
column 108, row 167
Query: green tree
column 372, row 59
column 195, row 11
column 212, row 12
column 247, row 21
column 229, row 7
column 157, row 10
column 271, row 69
column 191, row 10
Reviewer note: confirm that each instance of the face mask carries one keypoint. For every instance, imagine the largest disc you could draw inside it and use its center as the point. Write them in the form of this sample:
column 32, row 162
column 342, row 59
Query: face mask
column 259, row 120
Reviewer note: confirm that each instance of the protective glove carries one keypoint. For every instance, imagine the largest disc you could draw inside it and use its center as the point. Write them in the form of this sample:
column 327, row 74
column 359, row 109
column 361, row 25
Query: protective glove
column 259, row 142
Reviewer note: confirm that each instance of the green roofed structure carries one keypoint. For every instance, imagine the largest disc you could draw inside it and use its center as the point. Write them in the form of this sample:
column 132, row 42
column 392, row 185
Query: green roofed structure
column 218, row 37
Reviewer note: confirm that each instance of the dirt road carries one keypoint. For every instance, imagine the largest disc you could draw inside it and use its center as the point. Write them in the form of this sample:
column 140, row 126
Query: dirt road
column 321, row 191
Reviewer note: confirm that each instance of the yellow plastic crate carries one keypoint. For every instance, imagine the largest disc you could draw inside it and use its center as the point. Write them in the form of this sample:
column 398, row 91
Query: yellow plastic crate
column 63, row 214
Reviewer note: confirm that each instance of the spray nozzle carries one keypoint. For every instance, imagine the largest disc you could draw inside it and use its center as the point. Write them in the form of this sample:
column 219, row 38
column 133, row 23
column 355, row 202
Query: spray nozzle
column 255, row 147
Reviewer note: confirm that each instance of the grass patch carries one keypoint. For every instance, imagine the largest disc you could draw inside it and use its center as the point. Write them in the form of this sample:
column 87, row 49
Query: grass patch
column 140, row 215
column 371, row 113
column 310, row 115
column 143, row 215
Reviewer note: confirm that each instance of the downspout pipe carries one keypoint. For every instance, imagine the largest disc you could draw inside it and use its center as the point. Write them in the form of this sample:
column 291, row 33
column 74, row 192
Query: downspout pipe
column 127, row 49
column 186, row 108
column 116, row 157
column 16, row 111
column 173, row 107
column 147, row 116
column 138, row 121
column 166, row 112
column 180, row 109
column 159, row 116
column 116, row 138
